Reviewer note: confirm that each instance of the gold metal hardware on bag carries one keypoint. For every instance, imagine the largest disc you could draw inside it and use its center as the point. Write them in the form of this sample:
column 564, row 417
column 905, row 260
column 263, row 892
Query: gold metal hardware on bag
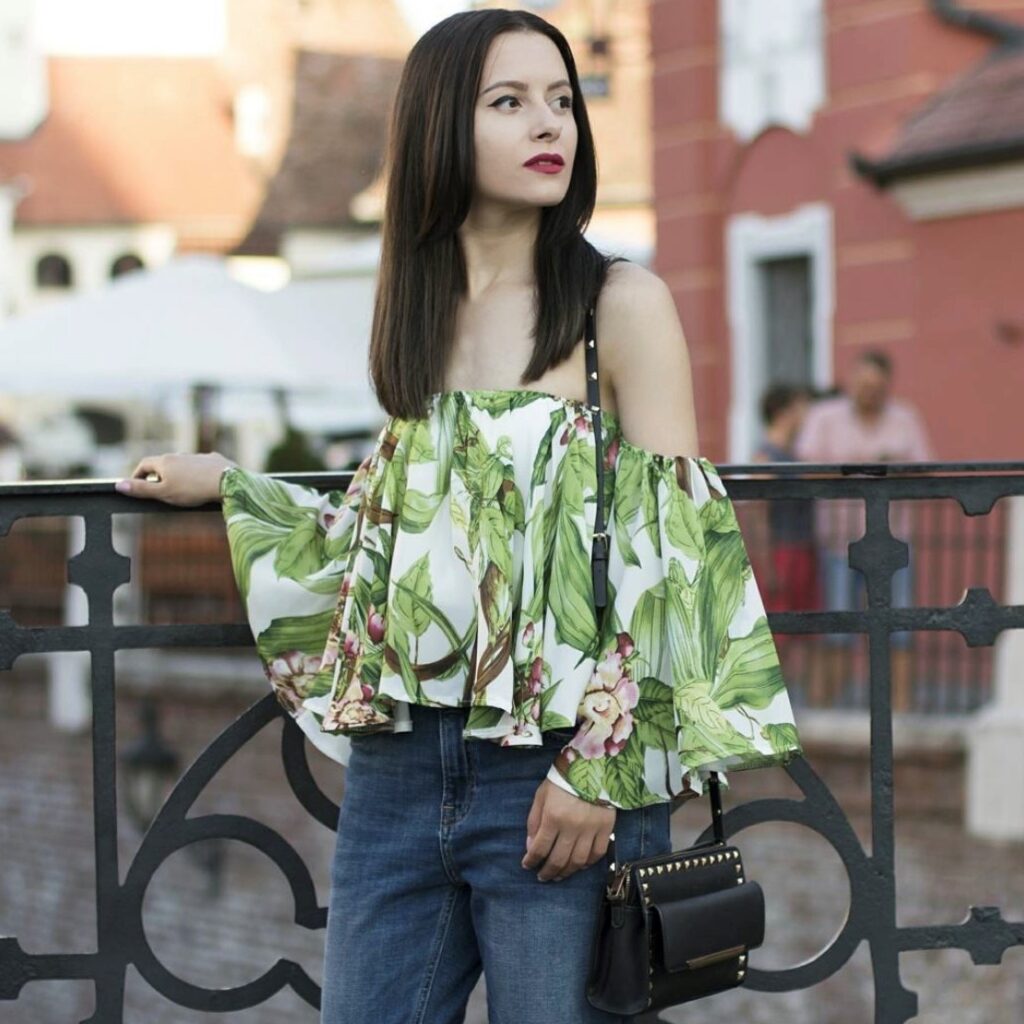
column 618, row 889
column 713, row 958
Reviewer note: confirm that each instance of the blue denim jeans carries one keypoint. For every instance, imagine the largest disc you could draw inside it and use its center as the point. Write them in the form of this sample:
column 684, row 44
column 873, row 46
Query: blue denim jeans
column 427, row 888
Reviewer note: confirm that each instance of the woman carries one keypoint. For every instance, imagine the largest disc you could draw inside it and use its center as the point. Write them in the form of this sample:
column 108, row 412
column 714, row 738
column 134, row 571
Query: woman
column 452, row 580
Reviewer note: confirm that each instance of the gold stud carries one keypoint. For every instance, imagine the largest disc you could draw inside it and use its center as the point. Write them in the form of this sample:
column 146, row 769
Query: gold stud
column 643, row 872
column 739, row 974
column 738, row 867
column 591, row 343
column 720, row 857
column 593, row 375
column 659, row 869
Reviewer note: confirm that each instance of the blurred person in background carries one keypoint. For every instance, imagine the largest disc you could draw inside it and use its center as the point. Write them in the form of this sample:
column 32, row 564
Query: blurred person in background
column 863, row 424
column 793, row 575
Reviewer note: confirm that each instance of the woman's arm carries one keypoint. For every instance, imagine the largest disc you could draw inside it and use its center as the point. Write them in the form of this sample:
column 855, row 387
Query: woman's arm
column 643, row 350
column 688, row 677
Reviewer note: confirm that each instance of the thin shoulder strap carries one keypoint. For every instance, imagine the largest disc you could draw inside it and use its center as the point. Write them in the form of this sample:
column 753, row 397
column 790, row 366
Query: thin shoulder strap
column 599, row 552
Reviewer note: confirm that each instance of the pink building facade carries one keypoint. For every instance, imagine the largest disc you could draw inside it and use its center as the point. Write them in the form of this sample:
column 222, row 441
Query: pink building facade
column 849, row 175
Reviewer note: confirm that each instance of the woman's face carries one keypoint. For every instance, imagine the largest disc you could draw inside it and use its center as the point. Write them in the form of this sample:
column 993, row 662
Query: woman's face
column 516, row 122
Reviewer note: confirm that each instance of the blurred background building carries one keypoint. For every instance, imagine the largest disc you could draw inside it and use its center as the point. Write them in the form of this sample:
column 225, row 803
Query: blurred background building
column 133, row 135
column 836, row 174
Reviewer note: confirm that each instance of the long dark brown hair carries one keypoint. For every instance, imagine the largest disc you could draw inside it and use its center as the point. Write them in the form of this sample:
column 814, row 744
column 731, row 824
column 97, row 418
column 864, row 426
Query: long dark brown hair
column 430, row 175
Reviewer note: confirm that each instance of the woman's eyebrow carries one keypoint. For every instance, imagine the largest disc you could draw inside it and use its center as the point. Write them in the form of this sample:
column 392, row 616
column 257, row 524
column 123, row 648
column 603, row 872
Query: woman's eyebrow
column 523, row 86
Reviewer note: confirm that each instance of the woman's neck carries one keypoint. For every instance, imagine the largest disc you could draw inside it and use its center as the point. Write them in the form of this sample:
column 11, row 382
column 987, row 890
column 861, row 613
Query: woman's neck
column 498, row 248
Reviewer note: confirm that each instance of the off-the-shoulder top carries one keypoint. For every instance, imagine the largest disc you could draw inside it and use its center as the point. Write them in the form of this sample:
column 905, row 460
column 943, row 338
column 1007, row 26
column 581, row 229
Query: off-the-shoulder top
column 455, row 571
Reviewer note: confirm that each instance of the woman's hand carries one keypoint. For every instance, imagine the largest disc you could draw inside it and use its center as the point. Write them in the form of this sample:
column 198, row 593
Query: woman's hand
column 178, row 478
column 565, row 832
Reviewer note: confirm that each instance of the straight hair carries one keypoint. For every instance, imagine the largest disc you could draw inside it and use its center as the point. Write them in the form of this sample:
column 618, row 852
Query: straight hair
column 430, row 172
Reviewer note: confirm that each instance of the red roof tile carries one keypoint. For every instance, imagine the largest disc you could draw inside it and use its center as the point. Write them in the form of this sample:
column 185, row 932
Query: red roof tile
column 136, row 140
column 976, row 120
column 336, row 146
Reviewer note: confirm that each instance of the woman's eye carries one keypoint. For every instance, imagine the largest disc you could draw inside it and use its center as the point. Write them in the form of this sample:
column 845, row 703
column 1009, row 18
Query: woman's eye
column 568, row 101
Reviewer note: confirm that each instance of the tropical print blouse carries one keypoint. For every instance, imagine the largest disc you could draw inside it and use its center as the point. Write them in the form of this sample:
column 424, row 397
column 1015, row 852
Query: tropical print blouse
column 455, row 570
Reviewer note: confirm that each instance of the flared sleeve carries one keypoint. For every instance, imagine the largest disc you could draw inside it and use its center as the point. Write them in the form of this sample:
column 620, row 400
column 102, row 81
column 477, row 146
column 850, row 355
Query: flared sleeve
column 687, row 677
column 290, row 552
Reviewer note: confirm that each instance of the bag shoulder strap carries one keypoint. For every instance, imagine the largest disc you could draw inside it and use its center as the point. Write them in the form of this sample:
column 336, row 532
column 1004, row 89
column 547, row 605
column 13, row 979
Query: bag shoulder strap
column 599, row 552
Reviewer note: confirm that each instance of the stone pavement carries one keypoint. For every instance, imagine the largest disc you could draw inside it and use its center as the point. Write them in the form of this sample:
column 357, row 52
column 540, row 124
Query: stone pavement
column 47, row 896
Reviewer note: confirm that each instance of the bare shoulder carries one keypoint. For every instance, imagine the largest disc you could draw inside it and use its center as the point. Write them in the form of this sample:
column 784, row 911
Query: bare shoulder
column 642, row 343
column 637, row 320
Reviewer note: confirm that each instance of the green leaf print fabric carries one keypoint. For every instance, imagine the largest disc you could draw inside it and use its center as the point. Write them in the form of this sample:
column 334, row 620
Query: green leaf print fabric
column 455, row 571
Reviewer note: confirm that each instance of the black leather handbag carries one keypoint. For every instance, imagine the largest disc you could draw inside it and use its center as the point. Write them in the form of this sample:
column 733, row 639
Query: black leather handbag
column 675, row 926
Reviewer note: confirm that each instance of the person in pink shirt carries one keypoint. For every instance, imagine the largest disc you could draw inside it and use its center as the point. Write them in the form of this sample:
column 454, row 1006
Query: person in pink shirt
column 864, row 425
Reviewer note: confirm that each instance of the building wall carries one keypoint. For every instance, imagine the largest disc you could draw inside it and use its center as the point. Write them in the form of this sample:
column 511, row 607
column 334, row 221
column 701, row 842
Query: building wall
column 935, row 294
column 90, row 250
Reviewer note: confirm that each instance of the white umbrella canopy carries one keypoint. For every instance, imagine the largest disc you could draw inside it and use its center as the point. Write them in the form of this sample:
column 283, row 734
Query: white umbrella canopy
column 326, row 325
column 183, row 324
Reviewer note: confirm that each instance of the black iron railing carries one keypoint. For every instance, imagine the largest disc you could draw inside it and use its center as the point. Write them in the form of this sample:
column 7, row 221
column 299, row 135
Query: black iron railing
column 121, row 941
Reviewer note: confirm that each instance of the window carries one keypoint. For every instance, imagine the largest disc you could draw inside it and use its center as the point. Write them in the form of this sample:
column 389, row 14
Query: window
column 786, row 294
column 780, row 306
column 772, row 64
column 252, row 120
column 125, row 264
column 53, row 271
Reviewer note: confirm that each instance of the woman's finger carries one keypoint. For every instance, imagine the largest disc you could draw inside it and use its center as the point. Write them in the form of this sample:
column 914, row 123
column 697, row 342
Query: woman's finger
column 584, row 847
column 150, row 464
column 139, row 488
column 558, row 862
column 145, row 480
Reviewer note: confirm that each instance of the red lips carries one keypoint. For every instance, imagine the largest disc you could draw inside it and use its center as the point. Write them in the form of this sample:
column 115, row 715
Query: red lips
column 549, row 158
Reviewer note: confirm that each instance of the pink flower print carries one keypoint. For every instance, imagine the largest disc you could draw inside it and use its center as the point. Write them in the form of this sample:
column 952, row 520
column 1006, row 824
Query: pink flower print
column 581, row 425
column 353, row 707
column 290, row 675
column 352, row 647
column 528, row 633
column 607, row 708
column 537, row 675
column 346, row 583
column 625, row 644
column 375, row 625
column 611, row 453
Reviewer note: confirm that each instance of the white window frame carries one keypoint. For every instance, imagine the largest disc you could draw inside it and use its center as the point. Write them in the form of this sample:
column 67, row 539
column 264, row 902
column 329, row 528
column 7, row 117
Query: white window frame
column 749, row 112
column 751, row 239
